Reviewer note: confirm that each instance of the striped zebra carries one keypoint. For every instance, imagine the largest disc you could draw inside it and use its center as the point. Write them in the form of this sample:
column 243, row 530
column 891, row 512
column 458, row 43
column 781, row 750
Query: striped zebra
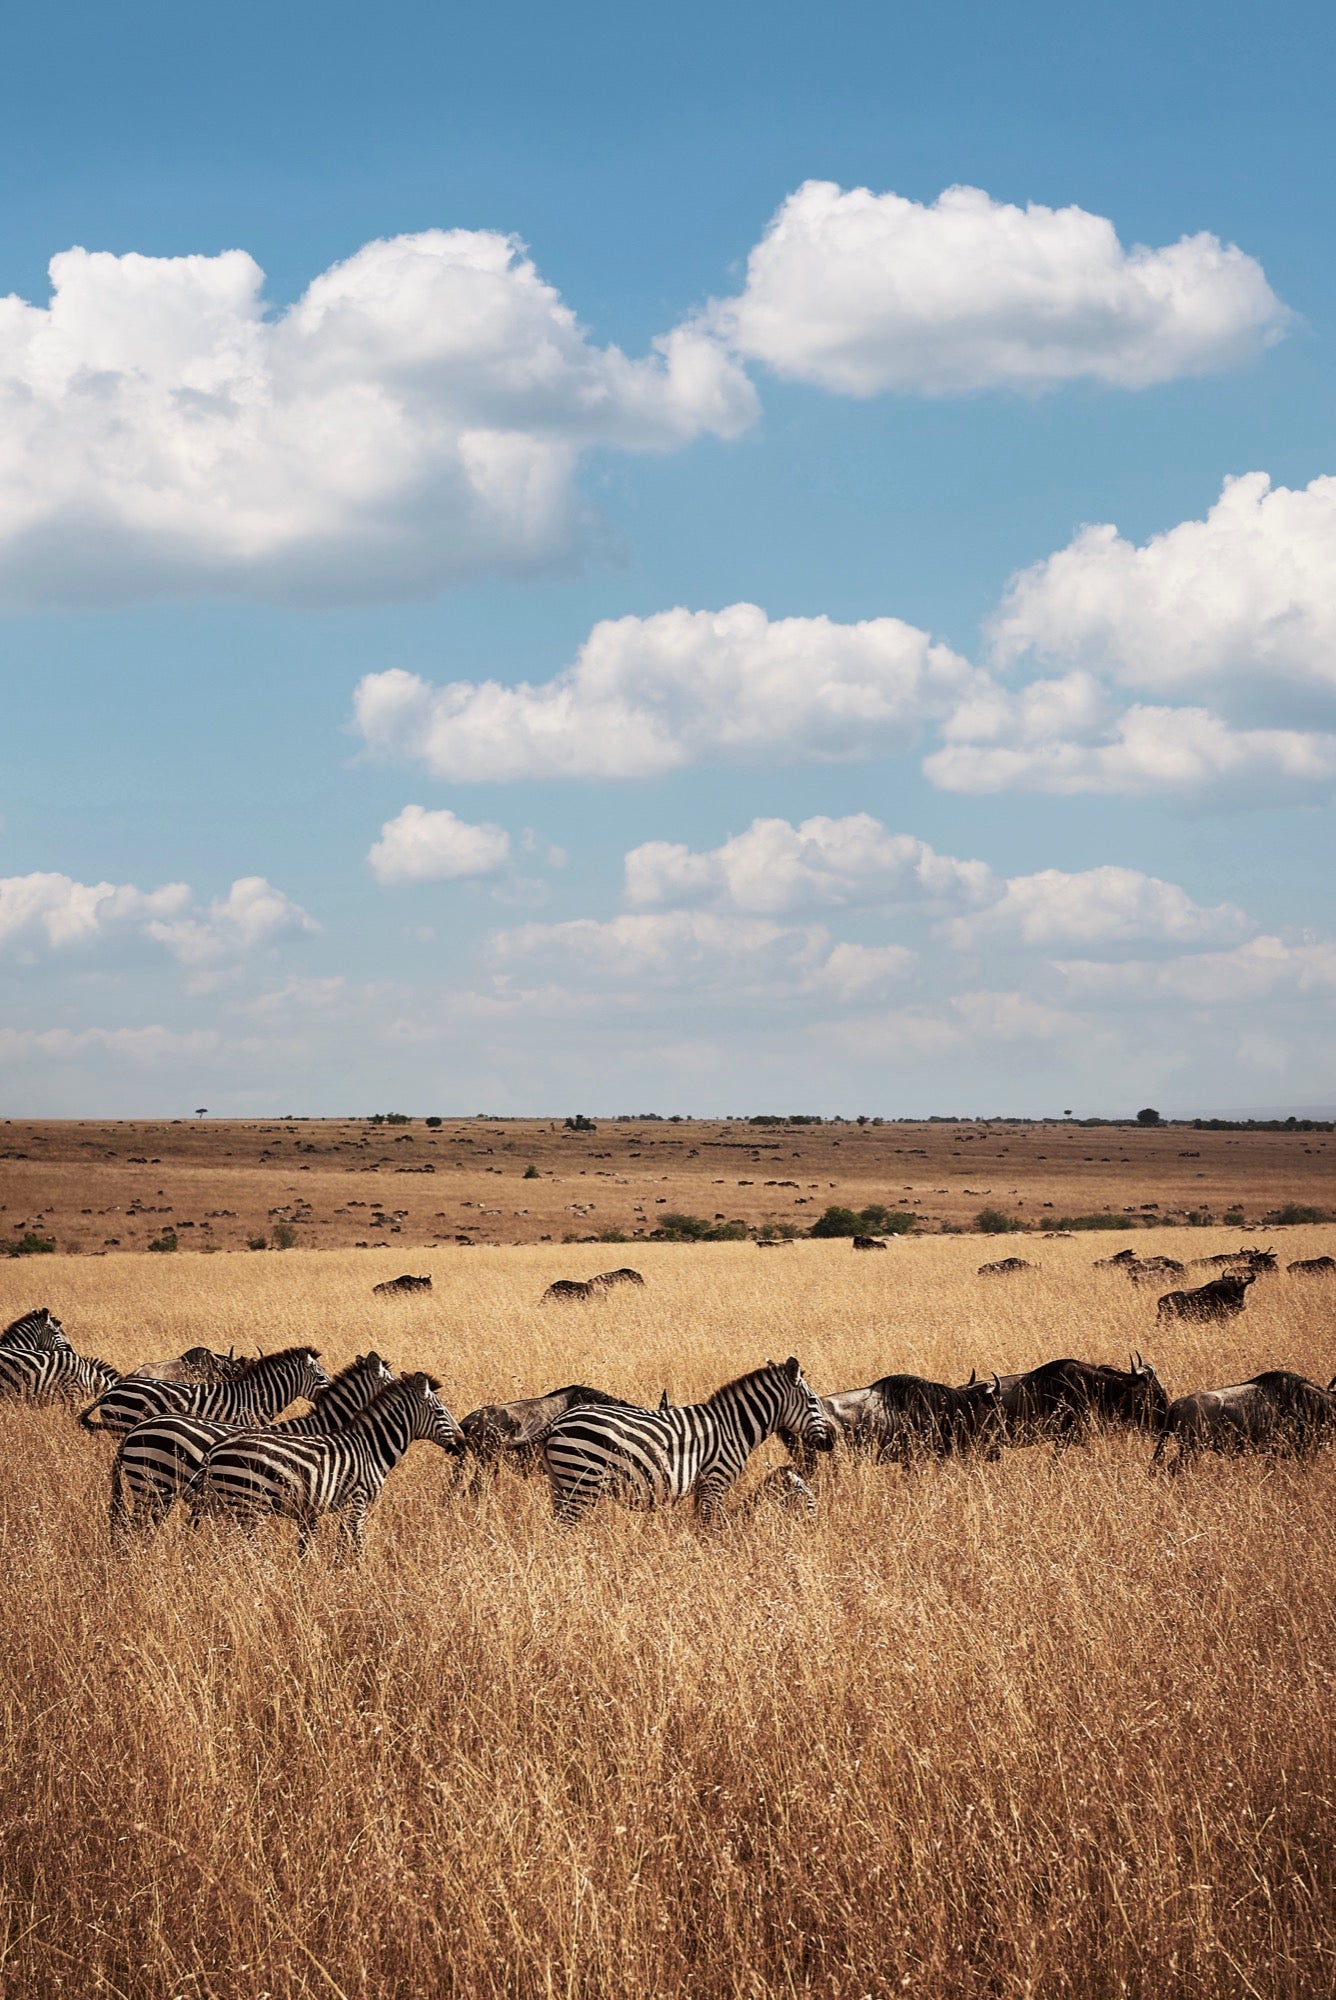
column 34, row 1376
column 267, row 1387
column 647, row 1457
column 263, row 1472
column 37, row 1332
column 159, row 1458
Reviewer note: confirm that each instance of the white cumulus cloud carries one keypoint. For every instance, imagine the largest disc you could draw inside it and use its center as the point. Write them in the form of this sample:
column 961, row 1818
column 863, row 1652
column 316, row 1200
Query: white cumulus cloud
column 1264, row 968
column 775, row 867
column 416, row 415
column 650, row 695
column 1107, row 906
column 422, row 846
column 1239, row 607
column 56, row 913
column 861, row 292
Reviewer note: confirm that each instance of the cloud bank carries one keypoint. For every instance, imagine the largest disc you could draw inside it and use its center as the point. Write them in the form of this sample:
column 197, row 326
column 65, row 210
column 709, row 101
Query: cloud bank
column 48, row 913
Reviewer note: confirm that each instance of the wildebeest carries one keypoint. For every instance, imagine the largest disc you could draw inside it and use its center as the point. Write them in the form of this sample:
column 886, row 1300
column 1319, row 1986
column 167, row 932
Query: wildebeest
column 774, row 1242
column 565, row 1291
column 1312, row 1267
column 512, row 1432
column 1150, row 1270
column 1062, row 1399
column 1221, row 1299
column 902, row 1417
column 1112, row 1263
column 623, row 1275
column 1277, row 1412
column 197, row 1364
column 868, row 1243
column 390, row 1288
column 1256, row 1261
column 1006, row 1267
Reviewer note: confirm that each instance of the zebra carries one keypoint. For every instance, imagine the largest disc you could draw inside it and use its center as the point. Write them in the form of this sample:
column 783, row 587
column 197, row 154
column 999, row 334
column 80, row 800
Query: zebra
column 267, row 1387
column 37, row 1332
column 35, row 1376
column 263, row 1472
column 158, row 1458
column 650, row 1456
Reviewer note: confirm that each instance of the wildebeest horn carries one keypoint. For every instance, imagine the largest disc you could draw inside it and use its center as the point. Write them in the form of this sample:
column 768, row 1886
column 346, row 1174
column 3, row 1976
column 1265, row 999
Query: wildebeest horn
column 973, row 1378
column 997, row 1383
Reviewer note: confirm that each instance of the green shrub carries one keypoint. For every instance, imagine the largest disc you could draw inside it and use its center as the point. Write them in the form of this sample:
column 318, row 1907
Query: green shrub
column 992, row 1222
column 433, row 1124
column 1101, row 1221
column 31, row 1245
column 580, row 1123
column 531, row 1173
column 1296, row 1211
column 257, row 1242
column 285, row 1235
column 695, row 1229
column 167, row 1241
column 874, row 1220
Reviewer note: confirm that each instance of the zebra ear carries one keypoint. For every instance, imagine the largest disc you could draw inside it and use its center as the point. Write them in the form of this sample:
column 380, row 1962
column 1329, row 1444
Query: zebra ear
column 791, row 1368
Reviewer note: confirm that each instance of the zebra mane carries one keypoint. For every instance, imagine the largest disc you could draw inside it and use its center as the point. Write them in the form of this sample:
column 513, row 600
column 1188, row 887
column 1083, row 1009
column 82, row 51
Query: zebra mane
column 738, row 1382
column 279, row 1354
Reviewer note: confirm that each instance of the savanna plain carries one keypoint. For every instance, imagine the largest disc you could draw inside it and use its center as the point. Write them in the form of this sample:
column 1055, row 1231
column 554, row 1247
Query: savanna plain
column 1032, row 1727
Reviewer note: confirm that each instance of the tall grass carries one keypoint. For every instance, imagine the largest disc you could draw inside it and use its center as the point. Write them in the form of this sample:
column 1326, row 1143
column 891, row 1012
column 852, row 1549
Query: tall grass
column 1035, row 1728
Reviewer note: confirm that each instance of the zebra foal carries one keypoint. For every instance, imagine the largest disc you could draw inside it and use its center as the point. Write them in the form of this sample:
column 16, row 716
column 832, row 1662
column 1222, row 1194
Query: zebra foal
column 264, row 1472
column 158, row 1459
column 648, row 1457
column 51, row 1375
column 266, row 1387
column 36, row 1332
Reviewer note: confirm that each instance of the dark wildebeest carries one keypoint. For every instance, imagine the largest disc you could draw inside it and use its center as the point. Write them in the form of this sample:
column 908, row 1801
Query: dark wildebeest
column 1277, row 1413
column 624, row 1275
column 1150, row 1270
column 1221, row 1299
column 391, row 1287
column 1256, row 1261
column 1312, row 1267
column 197, row 1364
column 868, row 1243
column 564, row 1291
column 1112, row 1263
column 902, row 1417
column 513, row 1432
column 1063, row 1399
column 1006, row 1267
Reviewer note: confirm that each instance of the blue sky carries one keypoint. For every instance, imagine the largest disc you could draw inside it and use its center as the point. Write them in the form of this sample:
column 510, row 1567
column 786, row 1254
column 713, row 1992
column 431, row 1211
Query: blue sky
column 378, row 732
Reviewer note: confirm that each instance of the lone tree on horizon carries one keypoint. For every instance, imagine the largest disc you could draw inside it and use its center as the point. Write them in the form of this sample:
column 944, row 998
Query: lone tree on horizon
column 1148, row 1117
column 201, row 1110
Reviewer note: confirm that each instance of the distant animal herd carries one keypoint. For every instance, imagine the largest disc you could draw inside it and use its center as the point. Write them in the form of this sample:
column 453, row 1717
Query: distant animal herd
column 206, row 1428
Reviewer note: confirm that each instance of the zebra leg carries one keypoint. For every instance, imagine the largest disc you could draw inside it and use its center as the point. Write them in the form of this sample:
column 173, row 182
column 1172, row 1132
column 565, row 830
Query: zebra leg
column 120, row 1513
column 307, row 1522
column 709, row 1491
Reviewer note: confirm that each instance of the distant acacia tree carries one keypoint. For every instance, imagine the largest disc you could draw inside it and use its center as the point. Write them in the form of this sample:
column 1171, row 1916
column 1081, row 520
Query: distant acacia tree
column 202, row 1111
column 1148, row 1117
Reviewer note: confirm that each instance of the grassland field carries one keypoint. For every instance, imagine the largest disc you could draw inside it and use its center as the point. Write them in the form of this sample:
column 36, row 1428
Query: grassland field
column 1029, row 1728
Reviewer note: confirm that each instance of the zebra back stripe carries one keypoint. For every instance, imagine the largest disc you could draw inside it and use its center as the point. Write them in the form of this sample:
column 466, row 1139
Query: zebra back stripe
column 649, row 1457
column 268, row 1386
column 158, row 1458
column 303, row 1478
column 37, row 1377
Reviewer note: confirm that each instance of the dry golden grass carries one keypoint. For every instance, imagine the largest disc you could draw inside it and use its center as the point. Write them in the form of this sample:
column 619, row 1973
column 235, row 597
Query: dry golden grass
column 1034, row 1728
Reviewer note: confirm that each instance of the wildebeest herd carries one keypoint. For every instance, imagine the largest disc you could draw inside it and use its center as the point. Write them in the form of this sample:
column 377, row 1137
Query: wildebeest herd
column 206, row 1428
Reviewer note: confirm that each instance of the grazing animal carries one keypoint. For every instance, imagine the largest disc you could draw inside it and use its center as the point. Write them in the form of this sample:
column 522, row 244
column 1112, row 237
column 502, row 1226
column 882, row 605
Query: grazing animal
column 1312, row 1267
column 1153, row 1270
column 36, row 1375
column 785, row 1488
column 1112, row 1263
column 197, row 1364
column 266, row 1387
column 774, row 1242
column 36, row 1332
column 918, row 1418
column 1006, row 1267
column 158, row 1459
column 512, row 1432
column 263, row 1472
column 565, row 1291
column 1256, row 1261
column 623, row 1275
column 868, row 1243
column 1220, row 1299
column 1063, row 1399
column 648, row 1457
column 1277, row 1413
column 391, row 1288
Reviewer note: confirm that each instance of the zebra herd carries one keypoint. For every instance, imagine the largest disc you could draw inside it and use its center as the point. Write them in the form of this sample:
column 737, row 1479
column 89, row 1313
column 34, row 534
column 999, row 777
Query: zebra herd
column 206, row 1429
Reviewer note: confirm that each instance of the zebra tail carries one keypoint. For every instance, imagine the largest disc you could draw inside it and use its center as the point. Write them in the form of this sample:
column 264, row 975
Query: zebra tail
column 85, row 1416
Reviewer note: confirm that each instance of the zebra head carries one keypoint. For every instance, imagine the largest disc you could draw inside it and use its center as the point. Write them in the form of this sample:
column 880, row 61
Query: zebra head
column 800, row 1411
column 311, row 1377
column 438, row 1426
